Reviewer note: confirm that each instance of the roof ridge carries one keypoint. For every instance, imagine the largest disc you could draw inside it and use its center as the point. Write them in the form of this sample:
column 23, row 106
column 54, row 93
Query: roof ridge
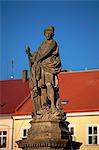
column 10, row 80
column 26, row 98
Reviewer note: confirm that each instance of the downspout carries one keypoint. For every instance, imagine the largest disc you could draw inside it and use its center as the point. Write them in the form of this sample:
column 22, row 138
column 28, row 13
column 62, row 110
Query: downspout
column 12, row 133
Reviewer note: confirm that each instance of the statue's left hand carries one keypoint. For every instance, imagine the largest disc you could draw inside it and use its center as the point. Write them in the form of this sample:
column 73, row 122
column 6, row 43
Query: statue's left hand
column 27, row 50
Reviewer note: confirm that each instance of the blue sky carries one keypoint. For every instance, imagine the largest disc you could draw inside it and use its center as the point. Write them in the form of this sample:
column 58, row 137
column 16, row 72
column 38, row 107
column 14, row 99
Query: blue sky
column 76, row 31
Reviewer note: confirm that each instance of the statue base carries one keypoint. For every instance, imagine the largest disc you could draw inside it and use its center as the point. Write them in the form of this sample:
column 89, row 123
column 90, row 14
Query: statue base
column 48, row 132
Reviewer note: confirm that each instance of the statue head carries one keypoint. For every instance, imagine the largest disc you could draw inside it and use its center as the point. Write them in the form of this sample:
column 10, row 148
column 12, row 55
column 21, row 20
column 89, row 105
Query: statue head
column 49, row 32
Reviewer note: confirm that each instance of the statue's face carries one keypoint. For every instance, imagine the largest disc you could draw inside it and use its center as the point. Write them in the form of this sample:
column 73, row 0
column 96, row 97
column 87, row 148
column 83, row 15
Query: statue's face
column 48, row 34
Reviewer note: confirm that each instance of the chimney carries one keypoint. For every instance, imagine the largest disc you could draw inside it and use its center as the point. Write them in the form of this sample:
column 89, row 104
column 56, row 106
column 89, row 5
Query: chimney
column 24, row 76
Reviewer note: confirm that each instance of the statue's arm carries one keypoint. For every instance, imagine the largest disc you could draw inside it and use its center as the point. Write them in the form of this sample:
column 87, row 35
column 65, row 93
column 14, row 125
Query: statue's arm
column 49, row 50
column 29, row 57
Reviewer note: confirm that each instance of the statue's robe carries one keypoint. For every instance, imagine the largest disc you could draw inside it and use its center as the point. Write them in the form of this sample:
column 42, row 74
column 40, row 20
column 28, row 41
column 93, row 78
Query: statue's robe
column 46, row 65
column 48, row 60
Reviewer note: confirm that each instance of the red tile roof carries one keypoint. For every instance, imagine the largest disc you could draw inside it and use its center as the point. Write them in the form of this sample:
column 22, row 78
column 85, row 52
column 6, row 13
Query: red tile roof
column 12, row 93
column 25, row 107
column 80, row 88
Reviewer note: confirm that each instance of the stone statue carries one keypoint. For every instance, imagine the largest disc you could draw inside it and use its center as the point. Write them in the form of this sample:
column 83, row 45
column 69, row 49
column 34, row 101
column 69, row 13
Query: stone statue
column 49, row 130
column 45, row 64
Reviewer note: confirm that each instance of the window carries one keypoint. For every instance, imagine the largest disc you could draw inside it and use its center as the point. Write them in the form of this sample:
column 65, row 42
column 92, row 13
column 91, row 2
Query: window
column 3, row 139
column 93, row 134
column 24, row 132
column 72, row 131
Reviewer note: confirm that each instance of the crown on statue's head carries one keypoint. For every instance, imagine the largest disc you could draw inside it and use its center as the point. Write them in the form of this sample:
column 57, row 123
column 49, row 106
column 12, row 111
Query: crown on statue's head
column 50, row 28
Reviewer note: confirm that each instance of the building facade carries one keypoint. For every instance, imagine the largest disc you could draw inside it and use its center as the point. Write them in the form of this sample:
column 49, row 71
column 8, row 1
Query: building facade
column 79, row 91
column 84, row 127
column 6, row 132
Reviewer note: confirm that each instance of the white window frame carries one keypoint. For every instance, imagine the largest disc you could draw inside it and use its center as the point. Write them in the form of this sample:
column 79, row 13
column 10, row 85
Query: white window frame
column 2, row 138
column 22, row 130
column 74, row 135
column 87, row 134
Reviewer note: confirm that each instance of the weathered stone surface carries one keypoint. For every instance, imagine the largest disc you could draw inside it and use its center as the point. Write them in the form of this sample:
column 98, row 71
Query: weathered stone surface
column 45, row 132
column 48, row 131
column 45, row 64
column 41, row 144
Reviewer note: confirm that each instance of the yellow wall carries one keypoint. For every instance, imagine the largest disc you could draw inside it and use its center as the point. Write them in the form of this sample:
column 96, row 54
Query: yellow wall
column 18, row 124
column 81, row 123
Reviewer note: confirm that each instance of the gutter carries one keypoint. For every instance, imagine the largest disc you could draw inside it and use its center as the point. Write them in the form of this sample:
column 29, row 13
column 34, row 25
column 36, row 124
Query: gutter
column 12, row 134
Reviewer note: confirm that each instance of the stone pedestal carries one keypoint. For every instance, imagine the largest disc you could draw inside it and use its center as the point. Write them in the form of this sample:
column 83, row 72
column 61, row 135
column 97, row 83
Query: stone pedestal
column 48, row 132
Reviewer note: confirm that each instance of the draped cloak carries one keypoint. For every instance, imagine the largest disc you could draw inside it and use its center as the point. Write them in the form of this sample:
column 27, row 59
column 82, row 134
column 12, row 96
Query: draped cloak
column 47, row 65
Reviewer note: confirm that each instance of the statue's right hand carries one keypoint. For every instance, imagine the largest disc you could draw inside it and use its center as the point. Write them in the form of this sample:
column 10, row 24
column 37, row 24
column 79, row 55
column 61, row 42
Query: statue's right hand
column 27, row 50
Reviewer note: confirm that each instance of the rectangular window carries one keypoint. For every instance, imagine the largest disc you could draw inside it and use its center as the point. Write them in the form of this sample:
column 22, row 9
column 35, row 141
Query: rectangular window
column 93, row 134
column 3, row 139
column 72, row 131
column 24, row 132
